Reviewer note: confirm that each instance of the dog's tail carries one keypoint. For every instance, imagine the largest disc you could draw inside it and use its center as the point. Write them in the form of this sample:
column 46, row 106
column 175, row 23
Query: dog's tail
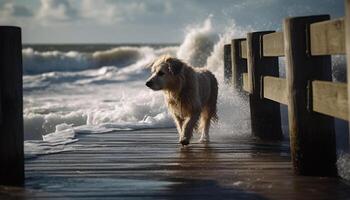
column 213, row 98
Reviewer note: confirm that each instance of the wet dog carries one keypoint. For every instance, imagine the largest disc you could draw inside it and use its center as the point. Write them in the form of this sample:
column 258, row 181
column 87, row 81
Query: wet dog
column 190, row 94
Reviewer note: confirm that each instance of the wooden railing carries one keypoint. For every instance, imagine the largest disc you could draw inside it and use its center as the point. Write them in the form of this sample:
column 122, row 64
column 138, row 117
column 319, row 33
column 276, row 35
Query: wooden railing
column 313, row 100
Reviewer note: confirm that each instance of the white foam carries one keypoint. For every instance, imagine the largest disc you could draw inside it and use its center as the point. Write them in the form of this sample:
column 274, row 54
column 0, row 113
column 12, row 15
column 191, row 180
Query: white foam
column 343, row 164
column 198, row 44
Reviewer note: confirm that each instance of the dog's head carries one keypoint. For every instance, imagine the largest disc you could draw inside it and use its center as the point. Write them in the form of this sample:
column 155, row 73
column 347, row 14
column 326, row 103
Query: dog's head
column 165, row 71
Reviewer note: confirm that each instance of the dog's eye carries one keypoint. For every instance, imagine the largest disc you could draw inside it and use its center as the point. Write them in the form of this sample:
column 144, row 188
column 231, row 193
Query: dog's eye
column 160, row 73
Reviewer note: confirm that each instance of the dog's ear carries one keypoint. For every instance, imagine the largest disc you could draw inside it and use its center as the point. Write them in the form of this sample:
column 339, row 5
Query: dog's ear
column 175, row 65
column 149, row 65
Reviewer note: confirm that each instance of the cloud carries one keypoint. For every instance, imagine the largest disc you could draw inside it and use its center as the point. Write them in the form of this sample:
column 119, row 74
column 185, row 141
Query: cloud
column 18, row 10
column 106, row 12
column 58, row 11
column 12, row 10
column 99, row 12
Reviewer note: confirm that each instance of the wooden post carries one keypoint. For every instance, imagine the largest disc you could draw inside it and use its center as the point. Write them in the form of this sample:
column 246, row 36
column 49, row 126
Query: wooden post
column 312, row 135
column 265, row 114
column 347, row 39
column 239, row 65
column 11, row 115
column 227, row 63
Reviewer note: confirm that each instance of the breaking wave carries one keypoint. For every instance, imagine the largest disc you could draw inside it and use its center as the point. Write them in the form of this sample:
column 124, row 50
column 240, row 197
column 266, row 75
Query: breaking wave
column 36, row 62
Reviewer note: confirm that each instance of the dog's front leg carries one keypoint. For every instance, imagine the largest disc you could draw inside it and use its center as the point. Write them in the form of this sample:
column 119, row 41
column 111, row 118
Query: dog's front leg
column 188, row 127
column 179, row 122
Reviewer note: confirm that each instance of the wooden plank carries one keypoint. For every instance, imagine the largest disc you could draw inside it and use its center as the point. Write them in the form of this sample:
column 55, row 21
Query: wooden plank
column 239, row 65
column 243, row 166
column 245, row 82
column 227, row 63
column 347, row 31
column 328, row 37
column 330, row 98
column 11, row 107
column 265, row 115
column 312, row 135
column 273, row 44
column 243, row 49
column 275, row 89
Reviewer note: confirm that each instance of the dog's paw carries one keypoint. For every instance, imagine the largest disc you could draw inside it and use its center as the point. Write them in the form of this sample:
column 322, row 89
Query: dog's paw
column 184, row 142
column 203, row 140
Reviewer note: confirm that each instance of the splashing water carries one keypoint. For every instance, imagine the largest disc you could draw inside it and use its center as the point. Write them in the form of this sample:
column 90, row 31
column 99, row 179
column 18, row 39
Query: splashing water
column 198, row 44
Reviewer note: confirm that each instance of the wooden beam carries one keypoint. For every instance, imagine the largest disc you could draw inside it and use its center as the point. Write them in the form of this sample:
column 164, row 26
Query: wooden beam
column 227, row 63
column 265, row 114
column 11, row 107
column 243, row 49
column 347, row 39
column 239, row 65
column 330, row 98
column 245, row 82
column 328, row 37
column 312, row 135
column 273, row 44
column 275, row 89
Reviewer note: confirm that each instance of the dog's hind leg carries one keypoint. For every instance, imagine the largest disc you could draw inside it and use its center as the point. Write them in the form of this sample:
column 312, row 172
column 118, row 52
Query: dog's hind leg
column 187, row 129
column 205, row 124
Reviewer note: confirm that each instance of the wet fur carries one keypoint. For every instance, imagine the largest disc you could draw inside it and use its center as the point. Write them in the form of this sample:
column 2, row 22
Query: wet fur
column 190, row 94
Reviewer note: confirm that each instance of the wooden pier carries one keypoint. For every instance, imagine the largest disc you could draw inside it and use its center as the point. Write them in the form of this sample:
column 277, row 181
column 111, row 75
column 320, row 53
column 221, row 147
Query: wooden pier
column 312, row 97
column 149, row 164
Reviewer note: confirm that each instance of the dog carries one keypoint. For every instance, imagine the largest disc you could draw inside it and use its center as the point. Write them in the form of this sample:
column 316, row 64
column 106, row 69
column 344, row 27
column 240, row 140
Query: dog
column 190, row 94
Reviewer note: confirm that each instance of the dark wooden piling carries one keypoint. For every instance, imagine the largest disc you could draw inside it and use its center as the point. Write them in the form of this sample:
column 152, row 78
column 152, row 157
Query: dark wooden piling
column 239, row 64
column 11, row 117
column 227, row 63
column 347, row 40
column 312, row 135
column 265, row 114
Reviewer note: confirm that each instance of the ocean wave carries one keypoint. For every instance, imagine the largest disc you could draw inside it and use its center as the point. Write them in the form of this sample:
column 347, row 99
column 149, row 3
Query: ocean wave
column 35, row 62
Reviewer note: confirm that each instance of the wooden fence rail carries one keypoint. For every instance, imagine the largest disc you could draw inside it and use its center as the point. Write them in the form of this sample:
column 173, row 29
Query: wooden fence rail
column 308, row 91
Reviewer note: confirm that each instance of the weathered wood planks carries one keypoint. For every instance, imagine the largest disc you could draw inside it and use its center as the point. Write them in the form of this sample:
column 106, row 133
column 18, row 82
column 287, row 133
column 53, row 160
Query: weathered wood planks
column 330, row 98
column 229, row 167
column 347, row 40
column 245, row 82
column 328, row 37
column 273, row 44
column 243, row 49
column 265, row 115
column 227, row 63
column 11, row 107
column 239, row 64
column 312, row 135
column 275, row 89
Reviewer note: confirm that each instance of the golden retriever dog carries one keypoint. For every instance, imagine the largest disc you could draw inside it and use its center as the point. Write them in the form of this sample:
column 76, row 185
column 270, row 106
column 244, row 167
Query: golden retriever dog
column 190, row 94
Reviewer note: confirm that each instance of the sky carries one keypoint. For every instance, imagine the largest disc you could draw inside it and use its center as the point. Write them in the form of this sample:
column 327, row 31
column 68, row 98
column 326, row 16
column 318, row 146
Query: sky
column 148, row 21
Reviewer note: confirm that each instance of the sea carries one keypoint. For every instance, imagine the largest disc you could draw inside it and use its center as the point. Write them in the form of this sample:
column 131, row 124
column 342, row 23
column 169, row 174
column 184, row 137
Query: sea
column 72, row 89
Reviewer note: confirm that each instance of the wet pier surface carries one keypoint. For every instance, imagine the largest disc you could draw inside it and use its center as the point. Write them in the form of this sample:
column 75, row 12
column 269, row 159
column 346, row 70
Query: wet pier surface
column 149, row 164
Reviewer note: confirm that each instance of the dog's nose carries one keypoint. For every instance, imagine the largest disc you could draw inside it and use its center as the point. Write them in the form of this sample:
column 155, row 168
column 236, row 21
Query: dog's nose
column 149, row 83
